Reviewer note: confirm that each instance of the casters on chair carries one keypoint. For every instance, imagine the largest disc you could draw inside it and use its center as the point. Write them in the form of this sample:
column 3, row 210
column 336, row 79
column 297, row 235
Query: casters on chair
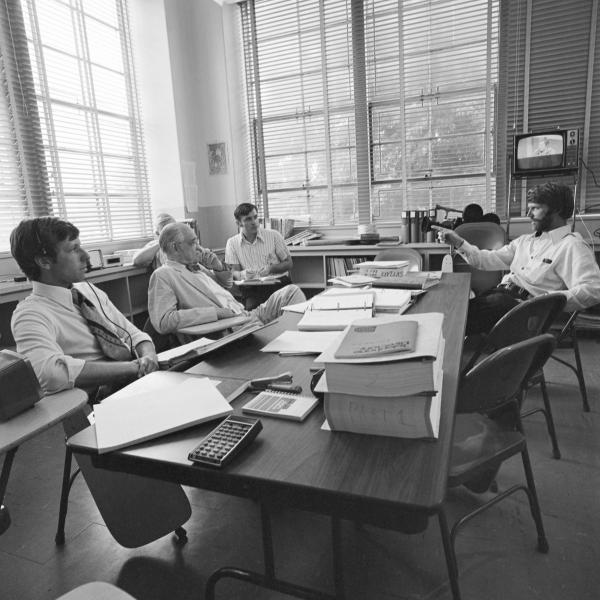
column 543, row 545
column 182, row 537
column 4, row 519
column 59, row 538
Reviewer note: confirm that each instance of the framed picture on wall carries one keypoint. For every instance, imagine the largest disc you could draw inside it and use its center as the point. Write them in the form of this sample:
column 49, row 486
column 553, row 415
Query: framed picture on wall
column 217, row 158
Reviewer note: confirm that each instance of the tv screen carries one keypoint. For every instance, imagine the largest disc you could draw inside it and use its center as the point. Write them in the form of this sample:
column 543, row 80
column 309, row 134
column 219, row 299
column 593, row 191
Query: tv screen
column 540, row 152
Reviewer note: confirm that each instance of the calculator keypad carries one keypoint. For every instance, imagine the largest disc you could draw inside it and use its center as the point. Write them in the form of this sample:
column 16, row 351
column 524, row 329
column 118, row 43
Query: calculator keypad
column 225, row 441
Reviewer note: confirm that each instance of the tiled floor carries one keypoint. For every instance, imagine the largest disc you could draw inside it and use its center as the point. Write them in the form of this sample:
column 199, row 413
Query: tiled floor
column 496, row 553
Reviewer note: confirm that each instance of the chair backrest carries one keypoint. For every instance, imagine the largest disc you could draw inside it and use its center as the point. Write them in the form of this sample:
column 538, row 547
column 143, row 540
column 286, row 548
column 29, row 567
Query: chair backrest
column 499, row 378
column 486, row 236
column 526, row 320
column 412, row 256
column 161, row 341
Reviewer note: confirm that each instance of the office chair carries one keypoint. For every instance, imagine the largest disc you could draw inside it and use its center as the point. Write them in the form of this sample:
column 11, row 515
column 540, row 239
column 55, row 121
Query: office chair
column 526, row 320
column 488, row 427
column 412, row 256
column 136, row 510
column 162, row 341
column 486, row 236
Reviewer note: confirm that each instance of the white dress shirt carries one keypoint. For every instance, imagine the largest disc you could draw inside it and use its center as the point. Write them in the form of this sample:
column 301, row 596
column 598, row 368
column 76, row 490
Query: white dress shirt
column 268, row 248
column 49, row 329
column 555, row 261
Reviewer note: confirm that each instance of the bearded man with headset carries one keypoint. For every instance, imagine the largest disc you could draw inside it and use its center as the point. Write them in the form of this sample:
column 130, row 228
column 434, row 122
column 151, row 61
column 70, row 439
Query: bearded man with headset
column 551, row 259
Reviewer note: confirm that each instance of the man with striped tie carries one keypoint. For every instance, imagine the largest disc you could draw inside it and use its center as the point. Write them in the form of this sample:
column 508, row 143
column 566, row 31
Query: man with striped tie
column 256, row 252
column 71, row 332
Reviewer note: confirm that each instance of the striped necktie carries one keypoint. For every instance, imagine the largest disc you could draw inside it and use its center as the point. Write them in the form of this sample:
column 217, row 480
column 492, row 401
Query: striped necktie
column 105, row 331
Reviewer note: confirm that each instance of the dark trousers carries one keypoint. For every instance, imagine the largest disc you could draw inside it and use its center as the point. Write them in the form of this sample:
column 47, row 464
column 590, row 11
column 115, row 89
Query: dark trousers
column 255, row 295
column 488, row 308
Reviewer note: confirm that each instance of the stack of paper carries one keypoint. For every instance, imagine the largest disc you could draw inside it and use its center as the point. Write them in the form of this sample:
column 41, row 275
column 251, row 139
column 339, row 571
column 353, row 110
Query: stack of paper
column 386, row 392
column 383, row 268
column 301, row 342
column 386, row 300
column 332, row 320
column 361, row 299
column 354, row 280
column 155, row 405
column 421, row 280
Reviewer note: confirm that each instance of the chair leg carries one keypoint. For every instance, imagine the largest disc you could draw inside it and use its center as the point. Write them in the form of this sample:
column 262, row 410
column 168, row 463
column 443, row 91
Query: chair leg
column 452, row 565
column 6, row 467
column 534, row 504
column 549, row 418
column 67, row 483
column 181, row 536
column 579, row 373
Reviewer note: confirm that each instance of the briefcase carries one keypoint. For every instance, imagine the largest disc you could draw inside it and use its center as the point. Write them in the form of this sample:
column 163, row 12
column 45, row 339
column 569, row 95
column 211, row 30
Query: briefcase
column 19, row 386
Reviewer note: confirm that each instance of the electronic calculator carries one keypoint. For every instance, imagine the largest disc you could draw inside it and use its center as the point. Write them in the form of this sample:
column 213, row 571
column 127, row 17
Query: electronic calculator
column 225, row 441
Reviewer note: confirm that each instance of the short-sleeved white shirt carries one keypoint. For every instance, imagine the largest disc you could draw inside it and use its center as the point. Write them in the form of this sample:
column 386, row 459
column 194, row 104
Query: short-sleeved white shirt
column 268, row 248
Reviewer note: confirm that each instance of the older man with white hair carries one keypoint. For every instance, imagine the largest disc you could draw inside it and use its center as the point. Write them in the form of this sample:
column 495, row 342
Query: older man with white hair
column 179, row 296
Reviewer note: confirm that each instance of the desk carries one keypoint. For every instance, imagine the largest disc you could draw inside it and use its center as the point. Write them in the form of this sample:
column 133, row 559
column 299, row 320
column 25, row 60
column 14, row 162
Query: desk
column 344, row 475
column 45, row 413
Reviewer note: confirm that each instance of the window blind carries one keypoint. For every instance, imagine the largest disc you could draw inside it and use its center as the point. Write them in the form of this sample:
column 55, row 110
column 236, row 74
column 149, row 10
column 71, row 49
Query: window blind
column 87, row 111
column 548, row 73
column 429, row 73
column 23, row 177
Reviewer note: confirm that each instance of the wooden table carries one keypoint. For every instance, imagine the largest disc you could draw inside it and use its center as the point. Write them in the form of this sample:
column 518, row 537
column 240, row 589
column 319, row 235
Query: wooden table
column 344, row 475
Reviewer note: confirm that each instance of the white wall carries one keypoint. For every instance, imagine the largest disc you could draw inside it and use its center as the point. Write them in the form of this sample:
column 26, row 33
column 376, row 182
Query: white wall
column 153, row 70
column 202, row 107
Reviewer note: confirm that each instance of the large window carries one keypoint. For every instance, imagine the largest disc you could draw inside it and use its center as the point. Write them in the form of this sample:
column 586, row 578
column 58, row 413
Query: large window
column 72, row 69
column 360, row 109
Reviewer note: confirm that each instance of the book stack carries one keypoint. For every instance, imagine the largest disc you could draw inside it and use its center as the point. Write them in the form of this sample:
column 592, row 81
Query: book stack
column 335, row 313
column 384, row 377
column 302, row 236
column 341, row 266
column 421, row 280
column 284, row 226
column 383, row 268
column 385, row 300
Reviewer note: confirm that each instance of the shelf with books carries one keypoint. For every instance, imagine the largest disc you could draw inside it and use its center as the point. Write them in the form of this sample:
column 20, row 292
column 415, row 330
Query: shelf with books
column 314, row 265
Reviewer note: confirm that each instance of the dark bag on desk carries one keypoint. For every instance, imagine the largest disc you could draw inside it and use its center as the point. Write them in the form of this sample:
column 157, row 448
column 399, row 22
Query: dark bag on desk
column 19, row 386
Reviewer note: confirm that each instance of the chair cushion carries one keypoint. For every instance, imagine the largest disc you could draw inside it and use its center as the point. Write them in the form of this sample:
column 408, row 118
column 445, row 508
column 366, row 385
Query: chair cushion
column 479, row 444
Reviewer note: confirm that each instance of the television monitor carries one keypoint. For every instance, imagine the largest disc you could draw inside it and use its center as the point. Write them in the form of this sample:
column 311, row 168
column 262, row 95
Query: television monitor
column 549, row 152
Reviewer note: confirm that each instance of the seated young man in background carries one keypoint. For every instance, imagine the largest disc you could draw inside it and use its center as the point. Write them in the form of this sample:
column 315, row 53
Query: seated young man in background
column 551, row 259
column 71, row 332
column 256, row 252
column 179, row 296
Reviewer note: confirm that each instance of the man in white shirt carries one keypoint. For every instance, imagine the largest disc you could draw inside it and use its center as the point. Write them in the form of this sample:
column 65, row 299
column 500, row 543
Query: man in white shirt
column 256, row 252
column 551, row 259
column 179, row 296
column 49, row 326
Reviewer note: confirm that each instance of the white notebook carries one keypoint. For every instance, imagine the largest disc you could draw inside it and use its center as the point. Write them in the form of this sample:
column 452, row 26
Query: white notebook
column 281, row 404
column 149, row 409
column 332, row 320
